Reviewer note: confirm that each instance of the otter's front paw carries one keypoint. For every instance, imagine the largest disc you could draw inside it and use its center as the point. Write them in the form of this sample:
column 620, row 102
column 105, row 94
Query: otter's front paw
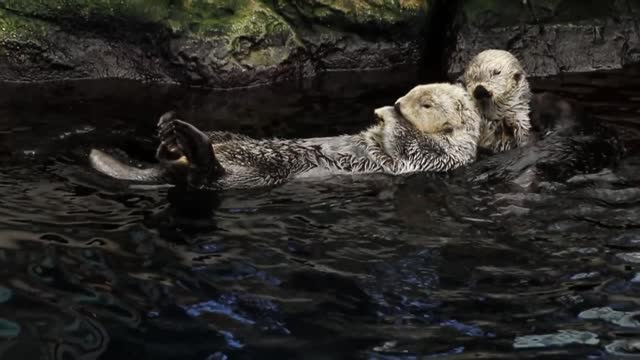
column 171, row 150
column 197, row 147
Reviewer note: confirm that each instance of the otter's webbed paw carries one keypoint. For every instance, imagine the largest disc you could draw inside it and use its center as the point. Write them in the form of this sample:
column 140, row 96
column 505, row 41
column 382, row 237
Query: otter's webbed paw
column 378, row 155
column 169, row 148
column 204, row 167
column 194, row 144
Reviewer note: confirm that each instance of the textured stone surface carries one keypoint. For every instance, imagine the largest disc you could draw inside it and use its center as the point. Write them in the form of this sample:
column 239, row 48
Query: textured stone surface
column 224, row 43
column 239, row 43
column 550, row 36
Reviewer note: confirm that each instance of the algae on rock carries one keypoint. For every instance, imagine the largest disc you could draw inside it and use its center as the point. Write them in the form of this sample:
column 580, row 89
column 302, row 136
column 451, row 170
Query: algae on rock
column 223, row 43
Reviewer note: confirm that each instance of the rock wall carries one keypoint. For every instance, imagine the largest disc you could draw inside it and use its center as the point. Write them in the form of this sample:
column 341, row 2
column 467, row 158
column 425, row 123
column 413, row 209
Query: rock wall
column 242, row 43
column 549, row 36
column 222, row 43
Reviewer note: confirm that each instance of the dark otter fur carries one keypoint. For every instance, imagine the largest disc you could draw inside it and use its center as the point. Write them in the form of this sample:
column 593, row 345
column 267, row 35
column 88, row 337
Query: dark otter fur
column 567, row 141
column 223, row 160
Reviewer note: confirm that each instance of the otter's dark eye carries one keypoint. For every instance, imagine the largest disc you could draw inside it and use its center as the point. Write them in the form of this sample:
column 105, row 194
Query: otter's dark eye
column 447, row 128
column 496, row 72
column 426, row 106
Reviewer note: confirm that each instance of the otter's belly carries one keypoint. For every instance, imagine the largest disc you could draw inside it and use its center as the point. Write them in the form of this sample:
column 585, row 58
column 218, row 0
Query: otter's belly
column 333, row 145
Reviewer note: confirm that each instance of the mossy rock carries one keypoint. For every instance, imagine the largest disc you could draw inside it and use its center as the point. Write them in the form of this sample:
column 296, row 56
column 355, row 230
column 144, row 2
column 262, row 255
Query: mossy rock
column 190, row 16
column 353, row 13
column 20, row 28
column 143, row 10
column 217, row 43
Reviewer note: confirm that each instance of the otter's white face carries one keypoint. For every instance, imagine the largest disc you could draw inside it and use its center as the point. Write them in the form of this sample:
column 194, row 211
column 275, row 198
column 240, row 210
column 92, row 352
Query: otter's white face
column 441, row 109
column 493, row 78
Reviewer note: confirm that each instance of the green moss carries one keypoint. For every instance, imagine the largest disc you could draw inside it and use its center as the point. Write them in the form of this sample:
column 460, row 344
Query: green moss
column 146, row 10
column 227, row 17
column 248, row 33
column 201, row 18
column 354, row 12
column 19, row 28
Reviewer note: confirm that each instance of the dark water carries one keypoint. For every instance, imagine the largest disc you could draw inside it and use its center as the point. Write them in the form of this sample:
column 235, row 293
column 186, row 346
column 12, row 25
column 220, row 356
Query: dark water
column 346, row 268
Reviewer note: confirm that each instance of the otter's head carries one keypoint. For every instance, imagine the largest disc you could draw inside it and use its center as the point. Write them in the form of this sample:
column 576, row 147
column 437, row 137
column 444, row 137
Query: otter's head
column 497, row 82
column 443, row 110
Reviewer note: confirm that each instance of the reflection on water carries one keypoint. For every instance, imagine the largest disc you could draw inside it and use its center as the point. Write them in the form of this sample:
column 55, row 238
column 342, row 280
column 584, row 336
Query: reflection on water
column 370, row 267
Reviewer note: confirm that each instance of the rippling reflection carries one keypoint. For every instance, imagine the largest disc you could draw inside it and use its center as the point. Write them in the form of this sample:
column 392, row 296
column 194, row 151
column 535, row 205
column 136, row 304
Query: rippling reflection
column 349, row 267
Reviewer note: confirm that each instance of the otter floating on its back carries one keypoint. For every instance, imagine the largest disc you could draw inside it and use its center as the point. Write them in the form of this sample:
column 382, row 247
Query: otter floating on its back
column 440, row 137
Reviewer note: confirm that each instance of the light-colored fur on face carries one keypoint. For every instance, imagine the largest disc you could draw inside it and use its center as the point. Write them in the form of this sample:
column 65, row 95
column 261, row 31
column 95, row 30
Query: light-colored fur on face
column 433, row 127
column 506, row 110
column 438, row 109
column 444, row 112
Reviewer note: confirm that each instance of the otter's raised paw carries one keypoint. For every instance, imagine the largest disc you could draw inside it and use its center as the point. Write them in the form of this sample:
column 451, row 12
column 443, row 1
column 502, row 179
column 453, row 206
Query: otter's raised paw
column 169, row 149
column 166, row 129
column 197, row 147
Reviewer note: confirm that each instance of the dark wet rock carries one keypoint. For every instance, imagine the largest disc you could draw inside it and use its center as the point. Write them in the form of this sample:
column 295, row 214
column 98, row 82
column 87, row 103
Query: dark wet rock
column 548, row 35
column 218, row 44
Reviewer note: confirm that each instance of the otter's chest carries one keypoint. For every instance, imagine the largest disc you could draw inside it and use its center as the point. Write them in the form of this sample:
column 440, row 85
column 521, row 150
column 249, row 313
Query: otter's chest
column 501, row 135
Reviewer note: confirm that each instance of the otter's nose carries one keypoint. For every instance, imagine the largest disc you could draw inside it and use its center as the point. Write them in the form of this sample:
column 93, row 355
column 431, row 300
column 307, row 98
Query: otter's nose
column 396, row 106
column 480, row 92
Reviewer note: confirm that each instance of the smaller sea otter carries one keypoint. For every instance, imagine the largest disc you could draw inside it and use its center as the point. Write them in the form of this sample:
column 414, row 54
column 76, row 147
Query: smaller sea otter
column 444, row 138
column 497, row 81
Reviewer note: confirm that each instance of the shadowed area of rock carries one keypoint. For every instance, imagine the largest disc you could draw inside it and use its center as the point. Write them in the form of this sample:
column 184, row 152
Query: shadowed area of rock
column 229, row 43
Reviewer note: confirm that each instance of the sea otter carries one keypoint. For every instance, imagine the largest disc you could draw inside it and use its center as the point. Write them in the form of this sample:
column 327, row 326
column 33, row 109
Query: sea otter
column 564, row 140
column 443, row 137
column 497, row 81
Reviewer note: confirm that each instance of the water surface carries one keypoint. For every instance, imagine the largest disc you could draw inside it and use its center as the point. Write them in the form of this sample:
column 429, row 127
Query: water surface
column 370, row 267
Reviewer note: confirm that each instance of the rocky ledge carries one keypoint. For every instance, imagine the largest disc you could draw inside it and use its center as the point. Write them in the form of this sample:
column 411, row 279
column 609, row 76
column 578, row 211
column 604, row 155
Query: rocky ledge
column 241, row 43
column 223, row 43
column 549, row 36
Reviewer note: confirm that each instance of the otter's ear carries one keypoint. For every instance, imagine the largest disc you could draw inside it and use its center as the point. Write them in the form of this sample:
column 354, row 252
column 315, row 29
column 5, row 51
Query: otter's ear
column 517, row 77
